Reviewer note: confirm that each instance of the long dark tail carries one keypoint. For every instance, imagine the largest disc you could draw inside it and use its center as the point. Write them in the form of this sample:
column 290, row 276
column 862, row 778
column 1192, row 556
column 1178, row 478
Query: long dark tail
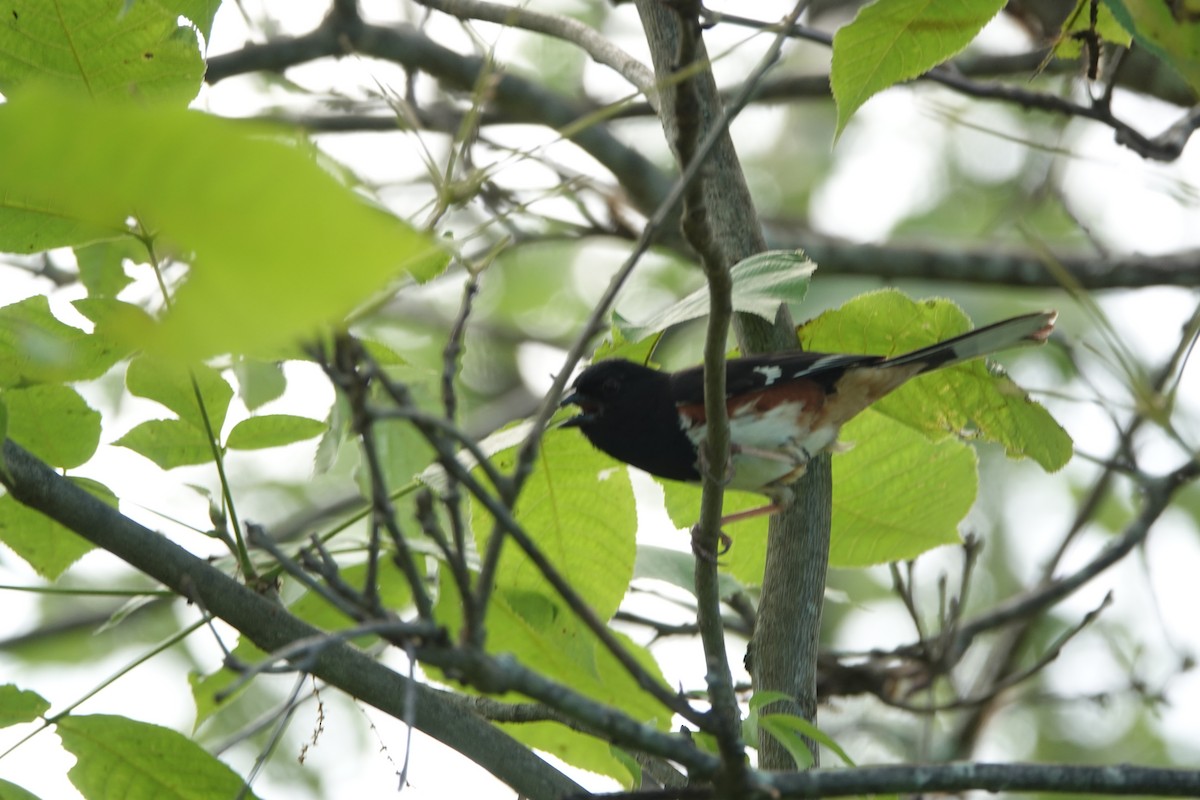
column 1019, row 331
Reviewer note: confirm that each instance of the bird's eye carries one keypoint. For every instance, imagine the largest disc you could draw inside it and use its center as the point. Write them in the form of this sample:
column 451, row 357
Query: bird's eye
column 610, row 386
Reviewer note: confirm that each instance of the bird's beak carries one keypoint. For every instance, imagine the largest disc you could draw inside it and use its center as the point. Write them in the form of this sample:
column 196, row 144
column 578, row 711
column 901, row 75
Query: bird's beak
column 588, row 410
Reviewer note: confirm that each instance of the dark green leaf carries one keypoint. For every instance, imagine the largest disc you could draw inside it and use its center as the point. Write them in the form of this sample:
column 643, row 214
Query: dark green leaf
column 10, row 791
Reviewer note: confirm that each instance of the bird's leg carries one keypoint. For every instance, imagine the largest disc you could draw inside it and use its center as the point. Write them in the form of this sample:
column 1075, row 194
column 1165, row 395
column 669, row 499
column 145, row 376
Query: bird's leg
column 703, row 463
column 698, row 549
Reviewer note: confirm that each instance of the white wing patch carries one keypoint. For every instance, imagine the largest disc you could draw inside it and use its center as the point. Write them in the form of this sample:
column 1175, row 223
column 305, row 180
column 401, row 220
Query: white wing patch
column 770, row 373
column 762, row 433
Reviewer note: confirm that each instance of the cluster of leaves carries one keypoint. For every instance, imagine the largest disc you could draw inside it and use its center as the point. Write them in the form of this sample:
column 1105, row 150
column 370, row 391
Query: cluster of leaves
column 892, row 42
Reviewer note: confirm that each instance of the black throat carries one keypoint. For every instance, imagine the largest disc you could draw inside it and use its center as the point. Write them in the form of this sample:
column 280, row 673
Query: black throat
column 640, row 426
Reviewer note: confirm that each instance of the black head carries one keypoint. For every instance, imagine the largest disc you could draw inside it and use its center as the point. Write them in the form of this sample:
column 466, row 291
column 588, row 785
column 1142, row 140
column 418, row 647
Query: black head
column 627, row 411
column 604, row 390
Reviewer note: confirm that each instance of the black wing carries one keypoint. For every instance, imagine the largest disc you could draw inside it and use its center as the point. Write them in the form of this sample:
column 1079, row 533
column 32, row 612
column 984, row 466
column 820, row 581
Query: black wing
column 751, row 373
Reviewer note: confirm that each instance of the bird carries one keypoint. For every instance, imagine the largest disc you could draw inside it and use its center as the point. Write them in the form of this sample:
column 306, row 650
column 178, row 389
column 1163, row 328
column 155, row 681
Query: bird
column 784, row 408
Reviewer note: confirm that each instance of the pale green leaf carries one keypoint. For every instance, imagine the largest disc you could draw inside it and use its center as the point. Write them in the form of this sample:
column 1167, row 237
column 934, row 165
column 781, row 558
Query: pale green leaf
column 577, row 749
column 54, row 423
column 678, row 568
column 36, row 348
column 885, row 489
column 102, row 265
column 106, row 48
column 748, row 549
column 215, row 691
column 259, row 382
column 968, row 400
column 1069, row 45
column 760, row 283
column 272, row 430
column 169, row 443
column 44, row 544
column 578, row 507
column 393, row 588
column 20, row 705
column 278, row 247
column 30, row 225
column 891, row 41
column 120, row 757
column 781, row 725
column 176, row 386
column 540, row 632
column 200, row 12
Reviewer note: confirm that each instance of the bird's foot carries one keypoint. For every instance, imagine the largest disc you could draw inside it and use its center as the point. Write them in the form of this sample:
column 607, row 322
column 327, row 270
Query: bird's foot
column 701, row 551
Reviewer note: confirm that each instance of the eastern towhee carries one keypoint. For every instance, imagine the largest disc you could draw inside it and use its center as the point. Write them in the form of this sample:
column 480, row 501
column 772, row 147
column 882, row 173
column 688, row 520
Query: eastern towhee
column 784, row 408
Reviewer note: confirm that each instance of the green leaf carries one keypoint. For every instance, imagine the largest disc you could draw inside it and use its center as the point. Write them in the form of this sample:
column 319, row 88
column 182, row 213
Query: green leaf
column 788, row 728
column 537, row 631
column 891, row 41
column 617, row 346
column 20, row 705
column 1174, row 40
column 748, row 551
column 54, row 423
column 169, row 443
column 36, row 348
column 200, row 12
column 577, row 749
column 171, row 384
column 394, row 593
column 883, row 486
column 102, row 265
column 677, row 568
column 402, row 450
column 106, row 48
column 577, row 506
column 116, row 756
column 279, row 246
column 10, row 791
column 44, row 544
column 259, row 382
column 968, row 400
column 760, row 283
column 1107, row 29
column 31, row 225
column 220, row 683
column 272, row 430
column 881, row 491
